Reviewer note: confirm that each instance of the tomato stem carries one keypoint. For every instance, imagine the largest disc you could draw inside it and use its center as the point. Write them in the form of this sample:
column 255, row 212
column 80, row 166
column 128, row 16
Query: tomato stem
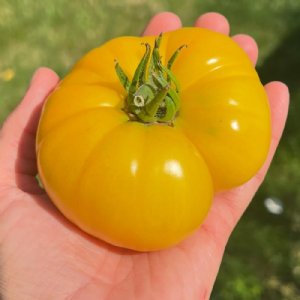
column 153, row 93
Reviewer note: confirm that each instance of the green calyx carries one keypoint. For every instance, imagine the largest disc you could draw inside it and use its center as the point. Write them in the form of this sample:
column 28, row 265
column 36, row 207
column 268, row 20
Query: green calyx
column 153, row 93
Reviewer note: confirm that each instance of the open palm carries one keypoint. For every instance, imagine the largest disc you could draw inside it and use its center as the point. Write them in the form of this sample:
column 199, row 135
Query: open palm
column 43, row 256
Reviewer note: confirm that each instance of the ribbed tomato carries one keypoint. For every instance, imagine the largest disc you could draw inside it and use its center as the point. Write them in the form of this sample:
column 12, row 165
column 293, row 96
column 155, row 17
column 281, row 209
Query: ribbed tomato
column 133, row 150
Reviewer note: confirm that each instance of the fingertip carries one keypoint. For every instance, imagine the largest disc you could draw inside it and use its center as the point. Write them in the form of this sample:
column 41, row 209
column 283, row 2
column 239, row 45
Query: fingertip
column 278, row 88
column 44, row 75
column 278, row 95
column 43, row 81
column 162, row 22
column 248, row 44
column 213, row 21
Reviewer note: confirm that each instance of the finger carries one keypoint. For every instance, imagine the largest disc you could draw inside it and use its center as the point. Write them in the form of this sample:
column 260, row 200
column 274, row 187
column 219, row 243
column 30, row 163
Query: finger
column 248, row 44
column 230, row 205
column 162, row 22
column 213, row 21
column 17, row 143
column 278, row 95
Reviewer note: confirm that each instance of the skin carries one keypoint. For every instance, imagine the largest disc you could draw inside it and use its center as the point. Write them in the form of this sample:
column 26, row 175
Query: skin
column 43, row 256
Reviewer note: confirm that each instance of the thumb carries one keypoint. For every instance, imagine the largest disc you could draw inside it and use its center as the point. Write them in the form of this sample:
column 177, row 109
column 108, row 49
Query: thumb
column 17, row 136
column 42, row 83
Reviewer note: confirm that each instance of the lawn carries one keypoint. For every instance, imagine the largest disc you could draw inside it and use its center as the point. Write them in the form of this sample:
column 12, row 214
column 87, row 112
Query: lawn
column 262, row 260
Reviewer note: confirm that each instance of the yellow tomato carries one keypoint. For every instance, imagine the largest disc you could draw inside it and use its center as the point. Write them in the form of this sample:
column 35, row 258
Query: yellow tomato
column 148, row 185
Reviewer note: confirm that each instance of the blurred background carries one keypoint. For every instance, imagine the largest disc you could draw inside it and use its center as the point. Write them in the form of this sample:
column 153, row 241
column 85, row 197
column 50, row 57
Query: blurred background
column 262, row 259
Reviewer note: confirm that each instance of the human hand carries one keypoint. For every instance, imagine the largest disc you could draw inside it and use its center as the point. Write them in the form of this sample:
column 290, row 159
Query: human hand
column 43, row 256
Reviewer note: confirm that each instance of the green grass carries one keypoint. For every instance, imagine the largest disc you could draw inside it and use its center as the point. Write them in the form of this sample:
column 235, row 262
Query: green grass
column 262, row 260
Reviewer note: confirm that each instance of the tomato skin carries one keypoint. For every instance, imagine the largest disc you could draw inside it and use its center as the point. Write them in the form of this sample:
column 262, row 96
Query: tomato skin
column 148, row 186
